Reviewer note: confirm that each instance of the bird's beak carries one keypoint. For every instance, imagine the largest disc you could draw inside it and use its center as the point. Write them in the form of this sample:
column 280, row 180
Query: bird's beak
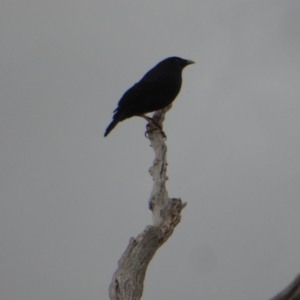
column 189, row 62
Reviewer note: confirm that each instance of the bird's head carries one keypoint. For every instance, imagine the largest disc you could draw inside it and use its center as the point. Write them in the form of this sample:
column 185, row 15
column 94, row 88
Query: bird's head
column 176, row 62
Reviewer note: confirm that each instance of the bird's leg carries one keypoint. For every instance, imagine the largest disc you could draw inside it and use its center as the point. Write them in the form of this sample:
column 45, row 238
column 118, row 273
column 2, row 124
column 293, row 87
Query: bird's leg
column 152, row 125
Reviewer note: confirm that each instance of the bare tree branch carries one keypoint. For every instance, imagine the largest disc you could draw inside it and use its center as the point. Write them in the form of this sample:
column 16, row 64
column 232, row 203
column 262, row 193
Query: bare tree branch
column 127, row 281
column 291, row 292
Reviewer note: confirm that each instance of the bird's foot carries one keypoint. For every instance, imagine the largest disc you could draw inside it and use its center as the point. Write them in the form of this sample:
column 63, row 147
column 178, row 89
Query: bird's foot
column 152, row 126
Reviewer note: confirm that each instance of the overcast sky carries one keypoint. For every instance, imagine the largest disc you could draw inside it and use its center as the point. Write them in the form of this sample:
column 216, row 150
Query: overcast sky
column 71, row 199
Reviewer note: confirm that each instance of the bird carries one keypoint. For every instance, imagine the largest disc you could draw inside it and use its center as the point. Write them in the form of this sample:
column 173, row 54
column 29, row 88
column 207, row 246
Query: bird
column 156, row 90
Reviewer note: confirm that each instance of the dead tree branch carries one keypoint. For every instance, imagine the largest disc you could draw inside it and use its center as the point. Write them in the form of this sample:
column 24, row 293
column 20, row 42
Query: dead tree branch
column 127, row 281
column 291, row 292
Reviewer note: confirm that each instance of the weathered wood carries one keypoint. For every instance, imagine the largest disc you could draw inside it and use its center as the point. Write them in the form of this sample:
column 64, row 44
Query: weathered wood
column 127, row 281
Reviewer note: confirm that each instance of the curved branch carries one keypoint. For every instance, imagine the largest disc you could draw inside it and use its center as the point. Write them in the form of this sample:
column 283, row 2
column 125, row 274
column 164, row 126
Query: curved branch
column 291, row 292
column 127, row 281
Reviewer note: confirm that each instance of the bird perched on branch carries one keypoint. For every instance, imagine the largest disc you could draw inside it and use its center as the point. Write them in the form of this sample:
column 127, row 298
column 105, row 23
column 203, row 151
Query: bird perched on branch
column 156, row 90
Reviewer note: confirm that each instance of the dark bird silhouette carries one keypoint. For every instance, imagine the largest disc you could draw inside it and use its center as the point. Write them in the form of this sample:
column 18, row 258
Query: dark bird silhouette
column 156, row 90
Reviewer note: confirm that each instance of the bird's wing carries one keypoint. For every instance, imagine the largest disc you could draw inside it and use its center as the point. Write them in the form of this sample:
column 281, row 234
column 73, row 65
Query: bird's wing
column 142, row 89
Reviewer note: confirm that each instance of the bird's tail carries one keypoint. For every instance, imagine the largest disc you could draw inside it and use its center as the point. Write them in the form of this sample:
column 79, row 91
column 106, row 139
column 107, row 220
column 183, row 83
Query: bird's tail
column 111, row 126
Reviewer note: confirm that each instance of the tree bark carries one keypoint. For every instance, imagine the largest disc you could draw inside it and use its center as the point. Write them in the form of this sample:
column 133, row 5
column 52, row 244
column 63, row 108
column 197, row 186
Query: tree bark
column 127, row 282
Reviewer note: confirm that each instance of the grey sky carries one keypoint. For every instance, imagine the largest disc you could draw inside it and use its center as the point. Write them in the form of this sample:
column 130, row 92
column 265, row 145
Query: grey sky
column 70, row 199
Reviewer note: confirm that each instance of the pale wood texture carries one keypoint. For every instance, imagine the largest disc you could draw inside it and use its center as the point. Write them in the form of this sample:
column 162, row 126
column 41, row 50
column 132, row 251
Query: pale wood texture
column 127, row 281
